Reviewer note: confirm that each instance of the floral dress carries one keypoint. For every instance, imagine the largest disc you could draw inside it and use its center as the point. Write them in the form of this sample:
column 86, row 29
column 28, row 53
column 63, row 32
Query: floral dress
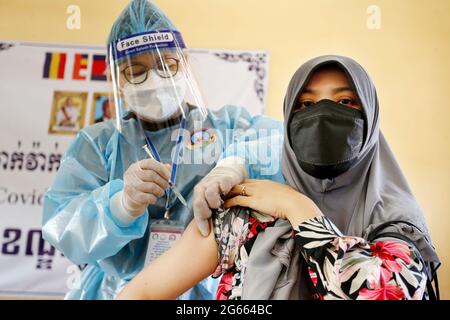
column 340, row 267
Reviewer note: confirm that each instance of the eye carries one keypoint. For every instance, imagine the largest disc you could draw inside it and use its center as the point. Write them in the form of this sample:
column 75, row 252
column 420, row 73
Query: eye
column 136, row 73
column 302, row 104
column 305, row 104
column 346, row 102
column 168, row 68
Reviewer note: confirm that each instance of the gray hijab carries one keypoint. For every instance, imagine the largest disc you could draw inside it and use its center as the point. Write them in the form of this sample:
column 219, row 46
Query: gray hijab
column 372, row 195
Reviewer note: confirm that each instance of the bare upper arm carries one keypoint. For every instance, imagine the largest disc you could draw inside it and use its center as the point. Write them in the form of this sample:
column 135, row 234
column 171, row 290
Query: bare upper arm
column 189, row 261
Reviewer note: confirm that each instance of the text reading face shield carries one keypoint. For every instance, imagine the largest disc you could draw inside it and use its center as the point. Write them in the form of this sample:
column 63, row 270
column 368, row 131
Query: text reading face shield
column 154, row 84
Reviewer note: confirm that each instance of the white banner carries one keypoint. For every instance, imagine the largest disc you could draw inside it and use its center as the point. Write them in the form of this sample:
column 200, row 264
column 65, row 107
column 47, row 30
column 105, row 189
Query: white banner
column 47, row 93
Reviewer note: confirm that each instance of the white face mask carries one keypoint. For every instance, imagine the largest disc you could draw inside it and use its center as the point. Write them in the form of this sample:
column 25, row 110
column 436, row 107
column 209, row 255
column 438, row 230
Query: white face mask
column 156, row 98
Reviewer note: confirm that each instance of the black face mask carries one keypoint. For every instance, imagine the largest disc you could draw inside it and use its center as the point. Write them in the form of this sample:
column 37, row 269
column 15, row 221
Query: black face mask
column 326, row 138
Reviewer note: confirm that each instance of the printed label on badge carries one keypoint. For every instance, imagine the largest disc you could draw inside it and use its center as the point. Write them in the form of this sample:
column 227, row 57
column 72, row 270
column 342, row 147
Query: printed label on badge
column 202, row 138
column 163, row 235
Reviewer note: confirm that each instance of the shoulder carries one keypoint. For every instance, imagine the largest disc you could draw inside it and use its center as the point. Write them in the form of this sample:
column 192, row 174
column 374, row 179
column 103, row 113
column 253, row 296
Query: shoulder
column 229, row 113
column 100, row 129
column 240, row 117
column 93, row 138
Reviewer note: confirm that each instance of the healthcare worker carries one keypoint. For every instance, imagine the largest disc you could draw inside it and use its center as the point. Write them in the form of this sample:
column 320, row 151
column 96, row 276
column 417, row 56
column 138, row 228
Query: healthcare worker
column 123, row 193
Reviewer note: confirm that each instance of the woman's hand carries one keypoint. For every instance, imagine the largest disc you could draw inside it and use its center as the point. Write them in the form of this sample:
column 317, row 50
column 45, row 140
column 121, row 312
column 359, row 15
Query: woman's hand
column 275, row 199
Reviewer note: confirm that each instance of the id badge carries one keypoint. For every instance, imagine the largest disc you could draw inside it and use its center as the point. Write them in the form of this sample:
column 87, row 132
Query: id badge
column 163, row 235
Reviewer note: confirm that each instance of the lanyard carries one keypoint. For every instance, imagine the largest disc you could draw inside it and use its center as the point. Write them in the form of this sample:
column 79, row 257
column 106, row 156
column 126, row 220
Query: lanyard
column 156, row 156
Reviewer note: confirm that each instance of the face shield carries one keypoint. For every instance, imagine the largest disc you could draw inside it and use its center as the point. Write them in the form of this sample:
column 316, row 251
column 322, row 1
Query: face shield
column 152, row 79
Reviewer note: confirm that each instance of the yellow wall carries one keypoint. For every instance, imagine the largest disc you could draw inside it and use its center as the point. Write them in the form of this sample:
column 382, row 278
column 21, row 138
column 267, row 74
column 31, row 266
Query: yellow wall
column 408, row 60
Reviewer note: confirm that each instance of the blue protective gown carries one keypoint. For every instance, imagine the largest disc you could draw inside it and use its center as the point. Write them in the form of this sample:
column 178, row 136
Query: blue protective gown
column 77, row 218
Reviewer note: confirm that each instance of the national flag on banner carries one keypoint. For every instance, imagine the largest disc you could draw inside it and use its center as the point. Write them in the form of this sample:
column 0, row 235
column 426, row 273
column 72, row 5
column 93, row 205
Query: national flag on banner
column 80, row 63
column 55, row 65
column 99, row 67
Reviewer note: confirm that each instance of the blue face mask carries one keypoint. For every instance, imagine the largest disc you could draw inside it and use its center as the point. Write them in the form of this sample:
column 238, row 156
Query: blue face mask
column 326, row 138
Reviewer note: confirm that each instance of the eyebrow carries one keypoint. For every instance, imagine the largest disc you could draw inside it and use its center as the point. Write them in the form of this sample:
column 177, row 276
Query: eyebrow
column 335, row 90
column 307, row 90
column 164, row 56
column 340, row 89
